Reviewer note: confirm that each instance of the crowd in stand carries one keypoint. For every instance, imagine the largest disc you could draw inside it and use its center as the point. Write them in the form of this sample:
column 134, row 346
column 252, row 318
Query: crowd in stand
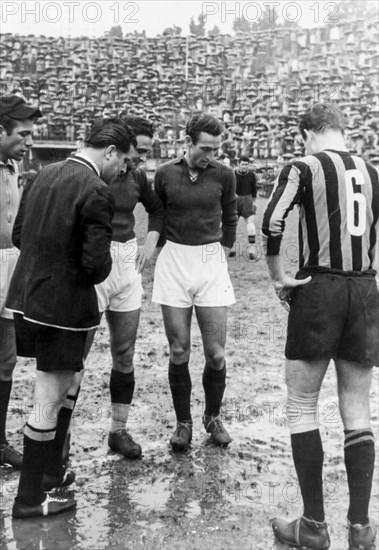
column 257, row 83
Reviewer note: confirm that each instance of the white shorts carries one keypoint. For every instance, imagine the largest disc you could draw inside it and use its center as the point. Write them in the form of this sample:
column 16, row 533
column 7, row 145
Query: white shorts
column 192, row 275
column 122, row 290
column 8, row 261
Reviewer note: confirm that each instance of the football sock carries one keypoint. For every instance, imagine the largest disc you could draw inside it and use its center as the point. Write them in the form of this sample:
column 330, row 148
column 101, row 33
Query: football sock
column 36, row 456
column 55, row 465
column 5, row 392
column 308, row 457
column 214, row 382
column 359, row 452
column 180, row 384
column 121, row 388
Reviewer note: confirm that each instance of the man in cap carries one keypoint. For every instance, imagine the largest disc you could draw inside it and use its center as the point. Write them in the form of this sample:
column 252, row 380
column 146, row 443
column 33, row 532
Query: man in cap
column 16, row 127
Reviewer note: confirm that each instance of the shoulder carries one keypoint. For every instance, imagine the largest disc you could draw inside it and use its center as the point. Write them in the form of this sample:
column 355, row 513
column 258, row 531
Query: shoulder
column 170, row 165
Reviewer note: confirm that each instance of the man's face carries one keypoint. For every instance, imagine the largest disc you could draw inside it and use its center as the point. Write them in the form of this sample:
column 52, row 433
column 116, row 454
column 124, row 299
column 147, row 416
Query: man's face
column 243, row 166
column 203, row 150
column 15, row 145
column 115, row 163
column 139, row 156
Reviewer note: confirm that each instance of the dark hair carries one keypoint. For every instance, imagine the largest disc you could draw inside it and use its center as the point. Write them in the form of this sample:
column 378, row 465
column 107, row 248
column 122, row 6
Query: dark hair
column 110, row 131
column 139, row 126
column 321, row 117
column 203, row 122
column 244, row 158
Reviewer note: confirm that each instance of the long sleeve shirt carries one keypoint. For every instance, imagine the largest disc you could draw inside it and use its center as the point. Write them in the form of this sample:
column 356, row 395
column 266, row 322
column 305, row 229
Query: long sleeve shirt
column 199, row 212
column 338, row 198
column 127, row 191
column 246, row 184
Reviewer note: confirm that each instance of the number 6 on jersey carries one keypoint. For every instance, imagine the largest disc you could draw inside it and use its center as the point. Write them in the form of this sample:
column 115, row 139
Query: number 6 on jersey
column 356, row 215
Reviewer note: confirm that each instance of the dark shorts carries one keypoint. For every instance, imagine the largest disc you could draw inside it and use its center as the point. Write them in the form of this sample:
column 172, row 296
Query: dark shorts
column 245, row 206
column 335, row 316
column 53, row 348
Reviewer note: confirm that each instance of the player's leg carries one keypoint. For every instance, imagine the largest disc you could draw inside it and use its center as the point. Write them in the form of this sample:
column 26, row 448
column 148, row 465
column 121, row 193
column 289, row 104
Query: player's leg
column 123, row 327
column 8, row 358
column 250, row 228
column 354, row 384
column 50, row 391
column 356, row 356
column 62, row 441
column 303, row 380
column 177, row 323
column 212, row 322
column 251, row 232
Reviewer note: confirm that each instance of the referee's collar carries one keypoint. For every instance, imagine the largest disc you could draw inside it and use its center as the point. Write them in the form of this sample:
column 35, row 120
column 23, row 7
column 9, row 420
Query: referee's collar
column 83, row 159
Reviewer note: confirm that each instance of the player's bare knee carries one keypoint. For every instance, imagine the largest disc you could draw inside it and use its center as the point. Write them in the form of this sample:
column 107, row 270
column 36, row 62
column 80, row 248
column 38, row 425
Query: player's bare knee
column 216, row 359
column 178, row 353
column 124, row 351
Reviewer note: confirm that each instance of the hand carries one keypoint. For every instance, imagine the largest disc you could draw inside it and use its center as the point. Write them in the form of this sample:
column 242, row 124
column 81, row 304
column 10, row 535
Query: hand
column 144, row 254
column 146, row 251
column 285, row 287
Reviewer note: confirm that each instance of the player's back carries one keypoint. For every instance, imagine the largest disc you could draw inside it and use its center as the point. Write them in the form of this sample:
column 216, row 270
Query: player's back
column 339, row 211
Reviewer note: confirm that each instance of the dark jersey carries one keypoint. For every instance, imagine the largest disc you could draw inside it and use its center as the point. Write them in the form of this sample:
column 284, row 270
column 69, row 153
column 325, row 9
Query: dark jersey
column 198, row 212
column 127, row 190
column 246, row 184
column 338, row 198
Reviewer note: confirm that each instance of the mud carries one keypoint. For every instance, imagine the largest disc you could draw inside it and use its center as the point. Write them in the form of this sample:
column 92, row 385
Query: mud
column 208, row 498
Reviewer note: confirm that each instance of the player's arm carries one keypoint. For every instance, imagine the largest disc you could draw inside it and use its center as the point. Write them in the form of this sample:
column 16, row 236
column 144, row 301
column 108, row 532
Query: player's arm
column 287, row 192
column 155, row 209
column 159, row 189
column 96, row 218
column 229, row 218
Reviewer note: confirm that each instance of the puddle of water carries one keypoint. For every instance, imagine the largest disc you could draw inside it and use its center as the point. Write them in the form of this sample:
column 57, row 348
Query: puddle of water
column 153, row 496
column 193, row 509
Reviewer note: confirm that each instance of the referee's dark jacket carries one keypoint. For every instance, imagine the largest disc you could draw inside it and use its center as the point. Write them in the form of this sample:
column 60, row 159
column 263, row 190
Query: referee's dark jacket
column 63, row 230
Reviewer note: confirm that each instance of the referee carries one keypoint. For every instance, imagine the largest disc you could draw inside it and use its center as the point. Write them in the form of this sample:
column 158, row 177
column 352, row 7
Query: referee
column 333, row 314
column 191, row 272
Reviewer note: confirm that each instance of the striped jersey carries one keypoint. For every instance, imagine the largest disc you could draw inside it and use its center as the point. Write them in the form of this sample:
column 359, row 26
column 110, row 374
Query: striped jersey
column 338, row 198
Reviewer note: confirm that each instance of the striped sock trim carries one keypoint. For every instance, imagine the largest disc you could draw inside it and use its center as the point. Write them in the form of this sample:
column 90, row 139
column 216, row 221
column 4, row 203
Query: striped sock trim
column 355, row 437
column 69, row 402
column 39, row 435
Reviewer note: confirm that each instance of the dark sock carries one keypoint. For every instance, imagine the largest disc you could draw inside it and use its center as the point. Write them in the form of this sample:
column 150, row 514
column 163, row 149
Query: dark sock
column 214, row 387
column 359, row 461
column 37, row 450
column 5, row 392
column 181, row 386
column 308, row 457
column 121, row 387
column 55, row 465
